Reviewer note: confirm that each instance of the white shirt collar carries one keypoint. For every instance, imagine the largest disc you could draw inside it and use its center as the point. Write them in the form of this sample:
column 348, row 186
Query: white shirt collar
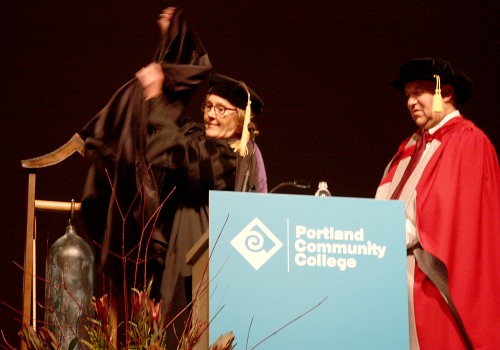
column 445, row 120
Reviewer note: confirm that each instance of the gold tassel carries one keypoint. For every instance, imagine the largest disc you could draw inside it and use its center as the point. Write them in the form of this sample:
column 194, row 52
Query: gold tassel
column 437, row 102
column 245, row 134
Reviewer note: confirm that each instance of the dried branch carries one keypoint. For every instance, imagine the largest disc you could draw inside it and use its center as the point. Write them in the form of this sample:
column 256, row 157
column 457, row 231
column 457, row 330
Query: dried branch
column 289, row 323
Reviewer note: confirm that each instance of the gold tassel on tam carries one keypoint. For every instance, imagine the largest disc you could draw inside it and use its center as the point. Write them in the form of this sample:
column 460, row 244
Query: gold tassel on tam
column 241, row 146
column 437, row 102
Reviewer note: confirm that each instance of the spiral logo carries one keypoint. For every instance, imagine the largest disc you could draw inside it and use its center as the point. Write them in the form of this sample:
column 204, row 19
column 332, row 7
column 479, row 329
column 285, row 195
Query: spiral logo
column 256, row 243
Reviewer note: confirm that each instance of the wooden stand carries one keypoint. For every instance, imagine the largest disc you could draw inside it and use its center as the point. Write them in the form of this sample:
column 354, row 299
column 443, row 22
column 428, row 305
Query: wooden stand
column 198, row 257
column 75, row 144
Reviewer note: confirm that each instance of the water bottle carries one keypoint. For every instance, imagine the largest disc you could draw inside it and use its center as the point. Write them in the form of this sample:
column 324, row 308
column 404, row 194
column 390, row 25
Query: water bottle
column 69, row 287
column 323, row 190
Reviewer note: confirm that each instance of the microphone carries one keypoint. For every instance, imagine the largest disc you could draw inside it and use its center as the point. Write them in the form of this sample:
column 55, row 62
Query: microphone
column 251, row 128
column 244, row 187
column 301, row 184
column 295, row 183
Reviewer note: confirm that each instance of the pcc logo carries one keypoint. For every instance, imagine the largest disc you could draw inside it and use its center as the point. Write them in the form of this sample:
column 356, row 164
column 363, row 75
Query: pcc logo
column 256, row 243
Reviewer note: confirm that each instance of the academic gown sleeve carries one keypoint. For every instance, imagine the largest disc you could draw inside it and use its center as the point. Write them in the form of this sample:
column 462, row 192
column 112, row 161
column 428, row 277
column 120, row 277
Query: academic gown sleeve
column 459, row 223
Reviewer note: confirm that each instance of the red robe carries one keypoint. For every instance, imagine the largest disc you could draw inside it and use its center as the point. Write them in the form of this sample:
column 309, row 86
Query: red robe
column 458, row 222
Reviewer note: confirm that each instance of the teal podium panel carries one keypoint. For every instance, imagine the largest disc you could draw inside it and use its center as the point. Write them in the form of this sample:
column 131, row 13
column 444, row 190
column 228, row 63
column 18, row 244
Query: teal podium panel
column 305, row 272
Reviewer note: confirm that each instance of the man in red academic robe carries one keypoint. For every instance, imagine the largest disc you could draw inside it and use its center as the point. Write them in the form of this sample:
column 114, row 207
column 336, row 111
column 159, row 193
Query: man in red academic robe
column 447, row 173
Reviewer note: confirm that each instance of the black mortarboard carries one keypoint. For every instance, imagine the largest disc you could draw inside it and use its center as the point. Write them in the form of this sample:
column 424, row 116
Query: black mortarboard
column 427, row 68
column 234, row 91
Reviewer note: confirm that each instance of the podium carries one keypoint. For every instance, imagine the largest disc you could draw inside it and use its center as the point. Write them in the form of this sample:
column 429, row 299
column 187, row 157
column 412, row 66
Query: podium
column 303, row 272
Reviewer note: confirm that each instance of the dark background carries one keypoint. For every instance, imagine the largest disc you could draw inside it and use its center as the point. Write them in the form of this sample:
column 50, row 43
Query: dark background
column 322, row 68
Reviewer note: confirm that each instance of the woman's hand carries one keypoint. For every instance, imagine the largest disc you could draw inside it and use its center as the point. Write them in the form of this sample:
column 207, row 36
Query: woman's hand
column 165, row 19
column 151, row 78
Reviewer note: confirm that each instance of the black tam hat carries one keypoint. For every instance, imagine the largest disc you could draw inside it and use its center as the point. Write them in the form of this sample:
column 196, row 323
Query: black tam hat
column 427, row 69
column 235, row 92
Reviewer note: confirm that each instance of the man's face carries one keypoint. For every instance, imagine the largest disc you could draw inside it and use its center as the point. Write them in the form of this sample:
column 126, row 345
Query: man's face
column 420, row 95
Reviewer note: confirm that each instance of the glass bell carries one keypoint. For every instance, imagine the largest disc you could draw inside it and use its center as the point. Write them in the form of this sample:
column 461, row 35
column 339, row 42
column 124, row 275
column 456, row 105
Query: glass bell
column 69, row 287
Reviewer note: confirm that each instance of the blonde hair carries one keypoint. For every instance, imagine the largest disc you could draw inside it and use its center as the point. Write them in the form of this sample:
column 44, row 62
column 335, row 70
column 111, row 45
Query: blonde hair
column 241, row 121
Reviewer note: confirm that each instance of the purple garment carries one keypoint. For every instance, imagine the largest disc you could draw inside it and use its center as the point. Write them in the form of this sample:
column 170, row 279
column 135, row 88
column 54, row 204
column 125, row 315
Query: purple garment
column 261, row 170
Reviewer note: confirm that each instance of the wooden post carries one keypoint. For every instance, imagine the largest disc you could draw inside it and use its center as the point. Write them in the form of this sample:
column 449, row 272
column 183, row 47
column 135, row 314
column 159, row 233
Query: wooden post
column 28, row 252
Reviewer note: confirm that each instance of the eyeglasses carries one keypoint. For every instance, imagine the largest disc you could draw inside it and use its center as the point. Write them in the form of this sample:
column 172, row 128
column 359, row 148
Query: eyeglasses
column 219, row 110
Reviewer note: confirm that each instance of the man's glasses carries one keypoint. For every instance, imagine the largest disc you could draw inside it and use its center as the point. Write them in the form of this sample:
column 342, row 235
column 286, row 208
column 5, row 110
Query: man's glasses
column 219, row 110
